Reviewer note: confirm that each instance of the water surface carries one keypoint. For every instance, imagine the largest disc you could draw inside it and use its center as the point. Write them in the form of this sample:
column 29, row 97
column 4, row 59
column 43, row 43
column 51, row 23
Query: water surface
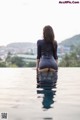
column 22, row 100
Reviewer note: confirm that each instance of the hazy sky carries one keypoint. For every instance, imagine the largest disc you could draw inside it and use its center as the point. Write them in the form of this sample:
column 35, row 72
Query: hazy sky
column 23, row 20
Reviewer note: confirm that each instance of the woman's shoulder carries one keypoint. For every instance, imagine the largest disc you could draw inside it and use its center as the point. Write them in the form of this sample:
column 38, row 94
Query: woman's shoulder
column 40, row 41
column 55, row 42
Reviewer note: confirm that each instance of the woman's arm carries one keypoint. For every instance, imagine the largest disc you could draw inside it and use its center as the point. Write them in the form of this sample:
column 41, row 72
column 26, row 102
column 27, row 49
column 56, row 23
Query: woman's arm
column 55, row 52
column 57, row 61
column 38, row 59
column 38, row 54
column 37, row 64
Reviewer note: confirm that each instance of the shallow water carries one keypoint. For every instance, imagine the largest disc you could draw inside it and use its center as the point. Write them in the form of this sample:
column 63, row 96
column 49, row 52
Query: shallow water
column 22, row 100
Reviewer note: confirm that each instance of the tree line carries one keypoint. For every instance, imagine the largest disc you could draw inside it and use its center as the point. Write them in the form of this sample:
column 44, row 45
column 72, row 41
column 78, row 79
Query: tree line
column 16, row 62
column 72, row 59
column 68, row 60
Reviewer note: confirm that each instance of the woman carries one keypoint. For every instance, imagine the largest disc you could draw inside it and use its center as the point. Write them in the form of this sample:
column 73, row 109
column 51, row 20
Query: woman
column 47, row 51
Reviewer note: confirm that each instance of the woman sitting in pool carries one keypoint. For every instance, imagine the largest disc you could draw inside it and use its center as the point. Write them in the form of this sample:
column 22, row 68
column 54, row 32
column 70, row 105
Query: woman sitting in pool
column 47, row 59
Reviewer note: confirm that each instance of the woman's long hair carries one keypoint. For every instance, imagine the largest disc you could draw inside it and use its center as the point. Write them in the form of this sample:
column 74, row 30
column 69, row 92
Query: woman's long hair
column 48, row 34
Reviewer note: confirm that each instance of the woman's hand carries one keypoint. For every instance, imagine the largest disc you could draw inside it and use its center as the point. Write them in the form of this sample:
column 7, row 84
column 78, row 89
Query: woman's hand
column 37, row 69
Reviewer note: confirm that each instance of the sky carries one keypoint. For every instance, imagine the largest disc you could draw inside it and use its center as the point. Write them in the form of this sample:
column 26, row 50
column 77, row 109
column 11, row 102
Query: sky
column 23, row 20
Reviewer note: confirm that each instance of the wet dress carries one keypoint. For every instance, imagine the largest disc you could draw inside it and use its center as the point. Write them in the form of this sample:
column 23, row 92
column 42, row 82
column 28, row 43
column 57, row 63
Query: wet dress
column 47, row 53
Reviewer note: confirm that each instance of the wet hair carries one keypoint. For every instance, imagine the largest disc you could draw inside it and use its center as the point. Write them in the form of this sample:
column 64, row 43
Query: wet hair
column 48, row 34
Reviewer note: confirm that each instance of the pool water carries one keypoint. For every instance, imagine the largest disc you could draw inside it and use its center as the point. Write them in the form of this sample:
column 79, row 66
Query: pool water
column 22, row 99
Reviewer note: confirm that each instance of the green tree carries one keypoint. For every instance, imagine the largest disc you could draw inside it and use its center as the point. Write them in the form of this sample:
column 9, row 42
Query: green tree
column 8, row 57
column 17, row 61
column 31, row 64
column 2, row 64
column 71, row 60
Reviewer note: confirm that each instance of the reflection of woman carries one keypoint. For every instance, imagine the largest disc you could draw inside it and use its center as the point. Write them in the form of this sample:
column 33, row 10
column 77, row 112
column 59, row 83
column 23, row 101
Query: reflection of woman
column 48, row 98
column 47, row 50
column 48, row 95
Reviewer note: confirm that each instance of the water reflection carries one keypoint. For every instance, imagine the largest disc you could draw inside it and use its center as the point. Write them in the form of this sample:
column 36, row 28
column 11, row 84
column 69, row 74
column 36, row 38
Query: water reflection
column 47, row 118
column 47, row 93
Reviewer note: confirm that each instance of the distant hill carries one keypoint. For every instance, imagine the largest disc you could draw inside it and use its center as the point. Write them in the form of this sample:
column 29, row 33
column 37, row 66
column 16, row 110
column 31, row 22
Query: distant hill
column 73, row 41
column 22, row 47
column 29, row 47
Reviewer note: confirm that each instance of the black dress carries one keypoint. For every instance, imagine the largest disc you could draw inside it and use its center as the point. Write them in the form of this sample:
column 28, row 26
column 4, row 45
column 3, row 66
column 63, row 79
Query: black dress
column 47, row 53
